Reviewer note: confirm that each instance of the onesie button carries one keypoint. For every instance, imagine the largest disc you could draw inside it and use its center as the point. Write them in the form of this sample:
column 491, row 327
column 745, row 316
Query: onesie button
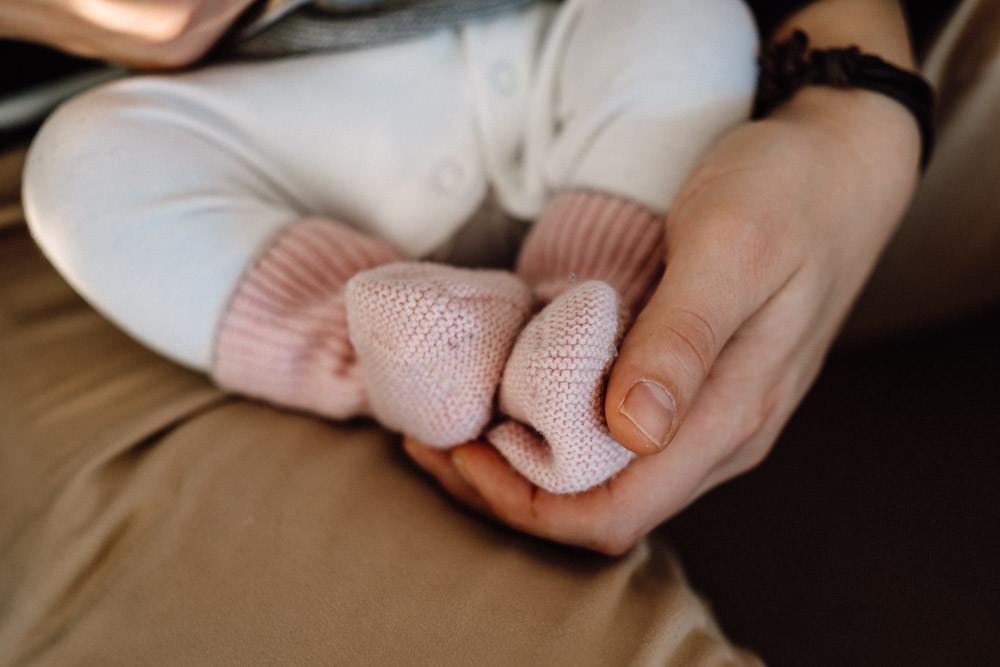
column 449, row 177
column 503, row 76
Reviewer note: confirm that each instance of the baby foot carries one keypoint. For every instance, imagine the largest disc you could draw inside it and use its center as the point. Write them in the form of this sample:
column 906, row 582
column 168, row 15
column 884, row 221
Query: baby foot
column 554, row 382
column 432, row 341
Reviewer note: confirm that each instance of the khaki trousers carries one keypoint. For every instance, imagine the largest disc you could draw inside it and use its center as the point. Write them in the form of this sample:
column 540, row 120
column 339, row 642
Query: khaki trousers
column 146, row 518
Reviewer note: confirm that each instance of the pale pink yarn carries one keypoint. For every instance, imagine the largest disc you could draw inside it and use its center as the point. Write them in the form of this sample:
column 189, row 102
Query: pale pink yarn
column 554, row 382
column 422, row 347
column 583, row 235
column 284, row 336
column 433, row 340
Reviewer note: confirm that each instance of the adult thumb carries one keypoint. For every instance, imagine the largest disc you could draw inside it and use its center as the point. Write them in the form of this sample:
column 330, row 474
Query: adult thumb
column 668, row 354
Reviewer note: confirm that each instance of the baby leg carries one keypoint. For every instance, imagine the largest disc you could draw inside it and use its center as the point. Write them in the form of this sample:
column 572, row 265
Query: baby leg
column 197, row 211
column 160, row 216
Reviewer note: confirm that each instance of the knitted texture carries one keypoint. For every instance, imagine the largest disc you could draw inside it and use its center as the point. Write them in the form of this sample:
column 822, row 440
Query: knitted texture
column 584, row 235
column 433, row 340
column 284, row 336
column 593, row 259
column 554, row 382
column 422, row 347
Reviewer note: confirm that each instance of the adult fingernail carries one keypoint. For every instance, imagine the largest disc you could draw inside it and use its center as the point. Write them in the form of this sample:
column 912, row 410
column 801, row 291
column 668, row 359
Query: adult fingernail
column 650, row 407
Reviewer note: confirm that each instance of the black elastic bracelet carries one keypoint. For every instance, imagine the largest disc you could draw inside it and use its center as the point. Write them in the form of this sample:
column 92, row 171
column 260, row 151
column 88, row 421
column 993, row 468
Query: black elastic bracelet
column 787, row 66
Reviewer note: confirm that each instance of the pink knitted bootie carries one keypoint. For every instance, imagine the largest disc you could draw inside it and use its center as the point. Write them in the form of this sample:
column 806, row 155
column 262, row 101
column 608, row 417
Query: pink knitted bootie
column 433, row 340
column 554, row 382
column 593, row 259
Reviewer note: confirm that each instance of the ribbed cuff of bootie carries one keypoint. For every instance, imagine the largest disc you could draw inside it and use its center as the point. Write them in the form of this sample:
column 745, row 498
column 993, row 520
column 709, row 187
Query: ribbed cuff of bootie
column 284, row 337
column 584, row 235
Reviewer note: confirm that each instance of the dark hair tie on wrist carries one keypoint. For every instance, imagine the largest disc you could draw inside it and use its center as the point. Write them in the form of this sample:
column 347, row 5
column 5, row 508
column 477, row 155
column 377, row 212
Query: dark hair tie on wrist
column 787, row 66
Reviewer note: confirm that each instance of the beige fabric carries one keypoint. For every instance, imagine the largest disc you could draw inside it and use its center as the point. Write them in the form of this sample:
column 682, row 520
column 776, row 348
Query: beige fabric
column 145, row 518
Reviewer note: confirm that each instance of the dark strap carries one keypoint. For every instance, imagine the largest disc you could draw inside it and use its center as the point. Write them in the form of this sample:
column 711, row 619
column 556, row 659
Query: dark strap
column 789, row 65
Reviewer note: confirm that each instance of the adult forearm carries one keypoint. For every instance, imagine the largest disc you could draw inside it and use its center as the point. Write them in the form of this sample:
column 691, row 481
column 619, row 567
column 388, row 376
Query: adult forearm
column 861, row 117
column 875, row 26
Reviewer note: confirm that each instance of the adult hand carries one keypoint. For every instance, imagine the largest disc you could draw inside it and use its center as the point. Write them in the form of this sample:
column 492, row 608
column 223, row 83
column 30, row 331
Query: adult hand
column 768, row 244
column 151, row 34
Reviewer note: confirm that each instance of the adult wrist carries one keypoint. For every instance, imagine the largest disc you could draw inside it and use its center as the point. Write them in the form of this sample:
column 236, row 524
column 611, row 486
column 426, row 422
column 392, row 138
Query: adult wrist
column 791, row 65
column 872, row 125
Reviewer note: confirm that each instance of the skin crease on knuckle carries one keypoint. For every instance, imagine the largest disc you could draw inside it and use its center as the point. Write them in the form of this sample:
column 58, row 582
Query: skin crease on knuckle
column 696, row 335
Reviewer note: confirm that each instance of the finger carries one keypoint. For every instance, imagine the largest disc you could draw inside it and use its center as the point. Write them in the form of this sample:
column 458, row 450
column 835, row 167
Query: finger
column 609, row 518
column 707, row 292
column 438, row 463
column 525, row 507
column 773, row 383
column 479, row 477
